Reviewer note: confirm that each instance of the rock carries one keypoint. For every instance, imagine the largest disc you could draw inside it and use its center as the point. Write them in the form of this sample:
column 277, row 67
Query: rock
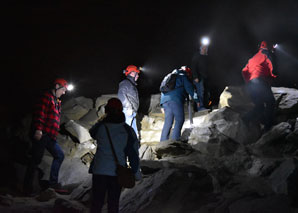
column 89, row 119
column 46, row 195
column 284, row 179
column 168, row 190
column 78, row 131
column 236, row 98
column 76, row 108
column 272, row 143
column 172, row 148
column 63, row 205
column 6, row 200
column 146, row 152
column 103, row 100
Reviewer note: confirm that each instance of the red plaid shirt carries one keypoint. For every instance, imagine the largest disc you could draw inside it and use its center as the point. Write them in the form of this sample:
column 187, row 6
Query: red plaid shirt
column 47, row 115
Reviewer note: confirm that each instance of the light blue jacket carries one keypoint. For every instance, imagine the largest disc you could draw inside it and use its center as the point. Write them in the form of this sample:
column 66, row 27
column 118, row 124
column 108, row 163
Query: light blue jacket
column 104, row 161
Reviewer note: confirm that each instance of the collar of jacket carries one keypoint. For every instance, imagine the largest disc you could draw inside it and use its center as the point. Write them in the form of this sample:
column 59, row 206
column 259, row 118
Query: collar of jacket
column 132, row 80
column 115, row 118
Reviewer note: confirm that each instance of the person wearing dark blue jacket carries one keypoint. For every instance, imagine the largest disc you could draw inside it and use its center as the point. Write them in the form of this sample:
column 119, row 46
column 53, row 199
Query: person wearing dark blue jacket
column 172, row 103
column 103, row 166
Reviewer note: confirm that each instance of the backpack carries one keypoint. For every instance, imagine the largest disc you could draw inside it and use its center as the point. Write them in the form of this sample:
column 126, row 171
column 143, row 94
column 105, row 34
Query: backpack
column 169, row 82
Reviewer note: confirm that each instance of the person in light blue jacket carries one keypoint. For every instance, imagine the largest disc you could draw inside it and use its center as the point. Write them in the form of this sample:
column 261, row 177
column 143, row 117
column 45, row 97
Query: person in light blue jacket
column 173, row 101
column 103, row 167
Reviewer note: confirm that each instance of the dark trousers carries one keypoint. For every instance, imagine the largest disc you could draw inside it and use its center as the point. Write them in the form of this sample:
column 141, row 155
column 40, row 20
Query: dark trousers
column 102, row 184
column 262, row 96
column 173, row 111
column 38, row 149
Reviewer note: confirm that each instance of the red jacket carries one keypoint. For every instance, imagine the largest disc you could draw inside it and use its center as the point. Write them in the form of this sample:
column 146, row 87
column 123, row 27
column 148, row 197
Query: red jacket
column 47, row 115
column 260, row 65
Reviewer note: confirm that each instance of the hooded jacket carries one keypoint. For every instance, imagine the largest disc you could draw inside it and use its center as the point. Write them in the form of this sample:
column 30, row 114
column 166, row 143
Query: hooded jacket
column 259, row 66
column 104, row 162
column 128, row 94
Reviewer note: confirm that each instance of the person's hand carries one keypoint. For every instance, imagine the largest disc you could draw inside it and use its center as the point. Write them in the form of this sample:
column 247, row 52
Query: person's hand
column 129, row 112
column 198, row 105
column 196, row 80
column 37, row 135
column 162, row 110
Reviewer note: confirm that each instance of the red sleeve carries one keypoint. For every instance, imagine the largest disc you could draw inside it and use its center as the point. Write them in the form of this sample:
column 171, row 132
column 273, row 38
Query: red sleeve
column 270, row 66
column 245, row 73
column 40, row 113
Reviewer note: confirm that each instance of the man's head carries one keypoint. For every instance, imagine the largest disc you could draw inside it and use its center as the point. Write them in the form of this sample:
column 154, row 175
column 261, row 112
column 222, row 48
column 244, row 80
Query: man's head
column 132, row 71
column 204, row 50
column 60, row 87
column 264, row 45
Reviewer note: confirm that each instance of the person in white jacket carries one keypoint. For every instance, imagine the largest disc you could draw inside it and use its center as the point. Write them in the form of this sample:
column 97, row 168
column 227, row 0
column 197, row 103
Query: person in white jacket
column 103, row 167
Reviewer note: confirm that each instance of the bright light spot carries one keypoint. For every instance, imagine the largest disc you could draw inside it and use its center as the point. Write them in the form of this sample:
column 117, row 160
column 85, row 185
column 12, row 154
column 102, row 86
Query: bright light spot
column 205, row 41
column 70, row 87
column 275, row 46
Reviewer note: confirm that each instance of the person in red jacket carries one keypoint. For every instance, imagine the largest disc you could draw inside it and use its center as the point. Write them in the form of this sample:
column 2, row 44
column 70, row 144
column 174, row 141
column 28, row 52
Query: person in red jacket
column 258, row 75
column 45, row 127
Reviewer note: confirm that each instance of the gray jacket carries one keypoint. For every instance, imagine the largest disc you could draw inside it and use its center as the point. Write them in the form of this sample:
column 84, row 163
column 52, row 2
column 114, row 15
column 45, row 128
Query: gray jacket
column 128, row 94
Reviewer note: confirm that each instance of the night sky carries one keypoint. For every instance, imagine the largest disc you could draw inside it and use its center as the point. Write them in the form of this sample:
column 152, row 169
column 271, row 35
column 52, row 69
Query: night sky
column 89, row 43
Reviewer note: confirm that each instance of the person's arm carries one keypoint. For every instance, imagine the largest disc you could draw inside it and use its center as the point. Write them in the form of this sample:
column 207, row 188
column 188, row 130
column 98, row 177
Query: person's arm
column 190, row 90
column 270, row 66
column 245, row 73
column 39, row 117
column 123, row 94
column 132, row 152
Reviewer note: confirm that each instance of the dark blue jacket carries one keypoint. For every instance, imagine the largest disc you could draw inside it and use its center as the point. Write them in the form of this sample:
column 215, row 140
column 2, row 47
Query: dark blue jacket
column 128, row 94
column 183, row 87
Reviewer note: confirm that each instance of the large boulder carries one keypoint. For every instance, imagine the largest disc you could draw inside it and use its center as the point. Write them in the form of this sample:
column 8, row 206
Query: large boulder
column 75, row 108
column 236, row 98
column 78, row 131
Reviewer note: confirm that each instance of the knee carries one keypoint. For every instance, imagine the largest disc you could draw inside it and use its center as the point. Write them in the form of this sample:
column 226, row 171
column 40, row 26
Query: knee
column 60, row 156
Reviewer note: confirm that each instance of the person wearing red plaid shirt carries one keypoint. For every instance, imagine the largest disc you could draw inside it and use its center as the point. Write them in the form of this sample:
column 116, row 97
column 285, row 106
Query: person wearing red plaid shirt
column 45, row 128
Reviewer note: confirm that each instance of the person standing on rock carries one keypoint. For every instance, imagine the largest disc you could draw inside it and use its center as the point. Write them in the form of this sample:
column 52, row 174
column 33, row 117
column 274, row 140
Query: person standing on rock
column 103, row 166
column 172, row 103
column 45, row 127
column 258, row 75
column 199, row 70
column 129, row 96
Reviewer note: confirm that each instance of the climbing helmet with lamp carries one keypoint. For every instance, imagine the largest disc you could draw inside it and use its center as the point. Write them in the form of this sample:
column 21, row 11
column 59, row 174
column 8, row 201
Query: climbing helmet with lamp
column 263, row 44
column 131, row 68
column 62, row 82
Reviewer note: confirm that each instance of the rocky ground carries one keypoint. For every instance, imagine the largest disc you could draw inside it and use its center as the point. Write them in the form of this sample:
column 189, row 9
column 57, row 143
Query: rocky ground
column 222, row 165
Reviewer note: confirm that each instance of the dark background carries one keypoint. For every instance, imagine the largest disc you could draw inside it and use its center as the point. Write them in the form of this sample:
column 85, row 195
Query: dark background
column 89, row 43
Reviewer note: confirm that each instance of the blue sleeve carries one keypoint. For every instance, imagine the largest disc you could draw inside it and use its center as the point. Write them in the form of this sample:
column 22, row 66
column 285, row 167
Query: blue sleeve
column 188, row 86
column 94, row 129
column 132, row 150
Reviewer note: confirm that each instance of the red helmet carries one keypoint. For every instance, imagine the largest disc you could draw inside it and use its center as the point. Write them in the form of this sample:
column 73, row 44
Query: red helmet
column 131, row 68
column 61, row 82
column 264, row 44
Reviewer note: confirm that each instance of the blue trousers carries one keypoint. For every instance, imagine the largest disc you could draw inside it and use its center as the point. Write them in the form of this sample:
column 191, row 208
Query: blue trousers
column 173, row 111
column 131, row 120
column 38, row 148
column 262, row 96
column 102, row 185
